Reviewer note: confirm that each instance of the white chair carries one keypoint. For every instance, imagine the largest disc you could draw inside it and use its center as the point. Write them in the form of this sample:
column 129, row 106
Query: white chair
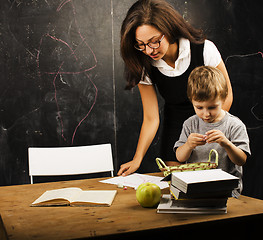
column 58, row 161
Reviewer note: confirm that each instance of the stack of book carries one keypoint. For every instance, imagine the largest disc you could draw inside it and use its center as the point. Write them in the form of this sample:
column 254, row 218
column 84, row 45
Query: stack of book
column 202, row 192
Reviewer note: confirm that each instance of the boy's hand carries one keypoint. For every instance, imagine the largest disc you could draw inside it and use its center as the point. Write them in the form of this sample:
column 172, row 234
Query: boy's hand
column 216, row 136
column 196, row 139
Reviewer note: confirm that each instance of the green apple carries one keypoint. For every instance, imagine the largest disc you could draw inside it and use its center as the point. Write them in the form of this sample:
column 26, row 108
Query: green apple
column 148, row 194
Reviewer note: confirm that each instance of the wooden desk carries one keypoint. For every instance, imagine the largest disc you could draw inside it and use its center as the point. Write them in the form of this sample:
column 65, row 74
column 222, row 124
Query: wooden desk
column 125, row 218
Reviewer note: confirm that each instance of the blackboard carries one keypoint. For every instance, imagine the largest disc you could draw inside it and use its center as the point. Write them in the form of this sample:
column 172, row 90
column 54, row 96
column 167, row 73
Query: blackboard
column 62, row 81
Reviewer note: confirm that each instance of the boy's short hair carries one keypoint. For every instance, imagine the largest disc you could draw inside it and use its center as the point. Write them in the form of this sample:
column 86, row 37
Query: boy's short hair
column 206, row 83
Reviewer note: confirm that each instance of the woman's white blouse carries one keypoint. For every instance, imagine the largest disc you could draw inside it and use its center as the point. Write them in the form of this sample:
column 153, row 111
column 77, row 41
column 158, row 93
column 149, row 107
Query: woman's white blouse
column 211, row 55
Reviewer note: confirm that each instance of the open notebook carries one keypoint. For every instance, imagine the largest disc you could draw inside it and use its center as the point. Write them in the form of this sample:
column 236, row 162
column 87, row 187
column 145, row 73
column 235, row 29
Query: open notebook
column 75, row 197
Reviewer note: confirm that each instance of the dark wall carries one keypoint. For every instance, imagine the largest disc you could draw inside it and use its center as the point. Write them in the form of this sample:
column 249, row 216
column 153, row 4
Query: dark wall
column 62, row 78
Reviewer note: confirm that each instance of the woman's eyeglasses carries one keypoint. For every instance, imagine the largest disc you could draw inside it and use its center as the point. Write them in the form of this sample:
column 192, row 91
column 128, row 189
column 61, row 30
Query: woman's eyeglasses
column 153, row 45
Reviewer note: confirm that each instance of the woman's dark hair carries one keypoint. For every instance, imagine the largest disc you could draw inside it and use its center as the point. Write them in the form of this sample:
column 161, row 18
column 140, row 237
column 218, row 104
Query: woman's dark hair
column 162, row 16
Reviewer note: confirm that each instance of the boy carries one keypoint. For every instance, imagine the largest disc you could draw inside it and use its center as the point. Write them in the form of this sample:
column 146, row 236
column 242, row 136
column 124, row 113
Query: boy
column 212, row 127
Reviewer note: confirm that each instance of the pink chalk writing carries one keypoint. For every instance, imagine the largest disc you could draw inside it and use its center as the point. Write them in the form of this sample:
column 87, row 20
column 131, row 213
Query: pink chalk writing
column 60, row 72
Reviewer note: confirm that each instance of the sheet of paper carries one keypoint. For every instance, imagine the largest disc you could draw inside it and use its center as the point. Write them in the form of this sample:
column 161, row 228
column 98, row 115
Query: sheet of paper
column 135, row 179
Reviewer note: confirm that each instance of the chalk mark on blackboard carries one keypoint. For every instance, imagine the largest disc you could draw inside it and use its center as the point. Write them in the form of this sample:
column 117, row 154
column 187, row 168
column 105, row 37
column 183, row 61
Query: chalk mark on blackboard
column 55, row 96
column 61, row 5
column 61, row 80
column 95, row 98
column 252, row 110
column 244, row 55
column 60, row 72
column 255, row 115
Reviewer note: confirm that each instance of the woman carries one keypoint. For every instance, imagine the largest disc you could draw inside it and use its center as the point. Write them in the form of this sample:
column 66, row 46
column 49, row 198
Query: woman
column 160, row 49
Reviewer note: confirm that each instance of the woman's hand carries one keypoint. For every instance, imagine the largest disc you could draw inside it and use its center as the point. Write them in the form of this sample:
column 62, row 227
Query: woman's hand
column 128, row 168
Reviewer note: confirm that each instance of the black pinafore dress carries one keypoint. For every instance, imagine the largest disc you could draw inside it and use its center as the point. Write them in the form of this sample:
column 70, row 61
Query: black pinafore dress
column 177, row 107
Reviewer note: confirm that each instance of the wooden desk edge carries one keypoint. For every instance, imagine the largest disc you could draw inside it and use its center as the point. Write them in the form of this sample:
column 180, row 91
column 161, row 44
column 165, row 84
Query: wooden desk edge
column 3, row 233
column 253, row 222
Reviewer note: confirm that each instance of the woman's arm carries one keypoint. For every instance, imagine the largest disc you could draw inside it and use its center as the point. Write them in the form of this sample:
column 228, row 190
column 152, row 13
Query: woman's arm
column 229, row 99
column 148, row 130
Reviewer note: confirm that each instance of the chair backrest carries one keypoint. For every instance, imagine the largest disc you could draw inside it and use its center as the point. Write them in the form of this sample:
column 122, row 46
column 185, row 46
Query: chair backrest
column 56, row 161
